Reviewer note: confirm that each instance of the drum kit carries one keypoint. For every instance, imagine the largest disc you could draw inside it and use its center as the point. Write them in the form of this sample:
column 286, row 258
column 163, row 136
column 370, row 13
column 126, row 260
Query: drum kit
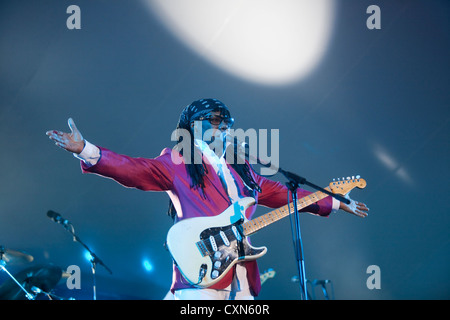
column 30, row 283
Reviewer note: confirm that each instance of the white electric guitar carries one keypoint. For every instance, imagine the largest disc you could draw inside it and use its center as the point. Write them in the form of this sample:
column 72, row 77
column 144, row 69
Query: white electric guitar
column 206, row 248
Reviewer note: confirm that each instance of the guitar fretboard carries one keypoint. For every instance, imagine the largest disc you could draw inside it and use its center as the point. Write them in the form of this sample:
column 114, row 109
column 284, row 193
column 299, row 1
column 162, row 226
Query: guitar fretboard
column 263, row 221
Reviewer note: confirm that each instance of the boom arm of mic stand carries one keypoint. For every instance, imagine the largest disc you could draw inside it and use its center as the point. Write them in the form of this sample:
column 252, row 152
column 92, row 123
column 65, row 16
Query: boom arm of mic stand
column 95, row 258
column 294, row 179
column 297, row 180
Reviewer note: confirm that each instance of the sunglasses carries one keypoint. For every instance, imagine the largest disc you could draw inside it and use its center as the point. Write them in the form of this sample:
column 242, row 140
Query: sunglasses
column 217, row 120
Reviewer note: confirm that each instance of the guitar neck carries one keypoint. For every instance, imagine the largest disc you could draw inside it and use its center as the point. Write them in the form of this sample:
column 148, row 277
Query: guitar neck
column 263, row 221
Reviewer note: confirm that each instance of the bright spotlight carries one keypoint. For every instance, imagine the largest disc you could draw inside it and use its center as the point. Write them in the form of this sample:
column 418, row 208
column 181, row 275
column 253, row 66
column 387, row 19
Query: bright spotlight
column 88, row 256
column 147, row 265
column 264, row 41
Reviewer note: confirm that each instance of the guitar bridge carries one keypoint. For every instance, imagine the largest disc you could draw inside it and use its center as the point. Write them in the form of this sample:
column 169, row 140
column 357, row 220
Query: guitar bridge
column 202, row 248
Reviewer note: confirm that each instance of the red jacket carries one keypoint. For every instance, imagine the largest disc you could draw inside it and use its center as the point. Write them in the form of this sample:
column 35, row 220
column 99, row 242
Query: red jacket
column 162, row 174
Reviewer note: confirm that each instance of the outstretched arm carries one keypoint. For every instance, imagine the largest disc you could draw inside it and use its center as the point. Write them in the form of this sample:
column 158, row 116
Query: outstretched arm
column 145, row 174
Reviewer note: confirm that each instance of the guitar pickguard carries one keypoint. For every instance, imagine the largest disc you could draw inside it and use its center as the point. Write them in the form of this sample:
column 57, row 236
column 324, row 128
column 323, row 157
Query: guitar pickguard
column 224, row 246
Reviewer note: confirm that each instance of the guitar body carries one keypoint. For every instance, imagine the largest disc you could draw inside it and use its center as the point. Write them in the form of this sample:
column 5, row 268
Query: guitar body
column 206, row 248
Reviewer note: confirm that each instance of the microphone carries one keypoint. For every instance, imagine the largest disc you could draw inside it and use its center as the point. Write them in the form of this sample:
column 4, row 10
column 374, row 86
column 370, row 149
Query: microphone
column 56, row 217
column 245, row 147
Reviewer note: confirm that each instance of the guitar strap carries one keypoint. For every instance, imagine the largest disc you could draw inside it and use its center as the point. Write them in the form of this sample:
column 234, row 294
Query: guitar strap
column 220, row 167
column 240, row 245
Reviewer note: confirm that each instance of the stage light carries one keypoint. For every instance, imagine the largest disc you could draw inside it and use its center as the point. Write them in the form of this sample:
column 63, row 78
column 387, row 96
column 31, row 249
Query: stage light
column 88, row 256
column 147, row 265
column 265, row 41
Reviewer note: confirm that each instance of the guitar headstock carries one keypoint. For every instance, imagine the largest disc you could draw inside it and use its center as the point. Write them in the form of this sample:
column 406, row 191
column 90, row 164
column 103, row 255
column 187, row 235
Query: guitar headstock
column 344, row 186
column 270, row 273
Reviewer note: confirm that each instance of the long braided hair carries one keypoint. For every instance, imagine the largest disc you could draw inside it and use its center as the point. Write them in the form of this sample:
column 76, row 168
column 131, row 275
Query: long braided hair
column 197, row 171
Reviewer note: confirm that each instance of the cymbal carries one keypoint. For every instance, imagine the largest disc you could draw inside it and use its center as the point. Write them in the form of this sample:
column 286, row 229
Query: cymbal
column 45, row 277
column 13, row 257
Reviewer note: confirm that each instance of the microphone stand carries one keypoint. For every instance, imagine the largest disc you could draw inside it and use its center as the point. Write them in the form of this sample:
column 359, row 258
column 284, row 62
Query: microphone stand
column 297, row 239
column 94, row 258
column 293, row 184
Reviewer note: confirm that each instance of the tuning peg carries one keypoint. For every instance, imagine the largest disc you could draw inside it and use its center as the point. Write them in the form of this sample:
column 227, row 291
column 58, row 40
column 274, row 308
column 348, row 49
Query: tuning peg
column 353, row 177
column 348, row 178
column 358, row 176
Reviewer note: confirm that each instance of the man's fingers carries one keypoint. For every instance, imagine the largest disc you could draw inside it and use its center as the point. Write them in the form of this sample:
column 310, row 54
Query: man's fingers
column 54, row 133
column 58, row 139
column 359, row 214
column 72, row 125
column 61, row 145
column 362, row 214
column 362, row 206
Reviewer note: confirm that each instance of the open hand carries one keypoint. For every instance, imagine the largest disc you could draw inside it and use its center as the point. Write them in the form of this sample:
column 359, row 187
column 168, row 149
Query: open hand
column 72, row 142
column 354, row 207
